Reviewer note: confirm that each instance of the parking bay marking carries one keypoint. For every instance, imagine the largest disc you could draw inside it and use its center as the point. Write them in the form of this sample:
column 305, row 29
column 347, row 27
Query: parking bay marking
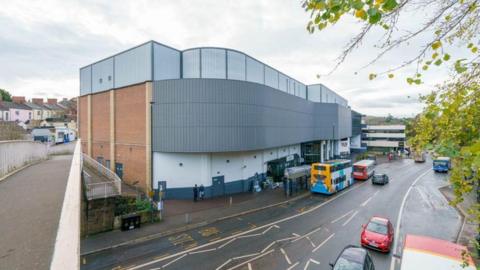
column 350, row 218
column 324, row 242
column 308, row 263
column 340, row 195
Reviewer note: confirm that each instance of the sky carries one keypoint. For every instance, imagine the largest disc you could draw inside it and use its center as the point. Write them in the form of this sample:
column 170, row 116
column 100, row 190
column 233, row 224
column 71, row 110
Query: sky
column 44, row 43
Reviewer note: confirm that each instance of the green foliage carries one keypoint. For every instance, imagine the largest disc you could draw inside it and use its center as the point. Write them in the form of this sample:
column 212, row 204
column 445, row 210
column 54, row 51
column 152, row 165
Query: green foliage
column 449, row 125
column 5, row 95
column 127, row 205
column 453, row 22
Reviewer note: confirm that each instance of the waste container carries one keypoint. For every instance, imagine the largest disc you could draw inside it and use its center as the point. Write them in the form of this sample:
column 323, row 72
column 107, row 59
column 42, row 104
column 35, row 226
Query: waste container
column 130, row 222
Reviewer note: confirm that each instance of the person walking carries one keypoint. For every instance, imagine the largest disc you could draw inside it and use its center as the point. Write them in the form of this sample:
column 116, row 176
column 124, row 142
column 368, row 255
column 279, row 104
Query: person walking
column 195, row 193
column 202, row 192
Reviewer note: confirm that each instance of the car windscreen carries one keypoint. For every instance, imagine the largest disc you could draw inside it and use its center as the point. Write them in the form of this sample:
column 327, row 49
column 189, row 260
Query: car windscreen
column 344, row 264
column 378, row 176
column 377, row 227
column 319, row 168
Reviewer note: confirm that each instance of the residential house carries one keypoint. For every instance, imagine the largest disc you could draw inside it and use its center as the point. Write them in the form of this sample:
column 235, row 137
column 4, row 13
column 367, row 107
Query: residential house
column 4, row 113
column 57, row 110
column 17, row 111
column 36, row 109
column 70, row 106
column 46, row 112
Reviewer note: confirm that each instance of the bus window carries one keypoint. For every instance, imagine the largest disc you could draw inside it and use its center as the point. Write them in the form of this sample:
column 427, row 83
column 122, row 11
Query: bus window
column 358, row 169
column 319, row 168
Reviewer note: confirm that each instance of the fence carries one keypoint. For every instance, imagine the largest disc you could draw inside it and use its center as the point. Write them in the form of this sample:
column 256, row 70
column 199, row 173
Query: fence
column 66, row 253
column 62, row 149
column 100, row 182
column 16, row 154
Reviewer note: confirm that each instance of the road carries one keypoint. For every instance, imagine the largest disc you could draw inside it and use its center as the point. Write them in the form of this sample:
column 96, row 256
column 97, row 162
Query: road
column 306, row 234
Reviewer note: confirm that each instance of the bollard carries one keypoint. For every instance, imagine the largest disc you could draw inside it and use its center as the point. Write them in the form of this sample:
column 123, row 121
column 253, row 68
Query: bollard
column 231, row 200
column 187, row 218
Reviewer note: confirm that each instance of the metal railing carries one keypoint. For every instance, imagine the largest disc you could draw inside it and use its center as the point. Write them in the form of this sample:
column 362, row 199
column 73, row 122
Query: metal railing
column 103, row 184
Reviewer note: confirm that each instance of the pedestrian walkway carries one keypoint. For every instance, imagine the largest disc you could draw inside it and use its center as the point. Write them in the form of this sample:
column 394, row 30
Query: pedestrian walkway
column 469, row 228
column 181, row 215
column 30, row 207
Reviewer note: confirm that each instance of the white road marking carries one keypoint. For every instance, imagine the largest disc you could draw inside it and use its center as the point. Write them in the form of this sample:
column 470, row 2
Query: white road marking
column 269, row 246
column 399, row 218
column 251, row 260
column 323, row 243
column 296, row 234
column 249, row 266
column 202, row 251
column 269, row 228
column 311, row 242
column 308, row 263
column 365, row 202
column 285, row 239
column 223, row 264
column 246, row 256
column 350, row 218
column 340, row 195
column 285, row 255
column 250, row 235
column 224, row 244
column 291, row 267
column 308, row 234
column 371, row 197
column 165, row 265
column 339, row 218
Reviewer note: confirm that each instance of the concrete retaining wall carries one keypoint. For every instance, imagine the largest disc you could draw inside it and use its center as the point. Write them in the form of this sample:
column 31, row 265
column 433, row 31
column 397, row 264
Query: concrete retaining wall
column 15, row 154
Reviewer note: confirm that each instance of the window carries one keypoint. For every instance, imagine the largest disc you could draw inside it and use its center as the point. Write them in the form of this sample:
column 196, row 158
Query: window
column 100, row 80
column 109, row 77
column 30, row 115
column 38, row 112
column 17, row 113
column 319, row 168
column 6, row 116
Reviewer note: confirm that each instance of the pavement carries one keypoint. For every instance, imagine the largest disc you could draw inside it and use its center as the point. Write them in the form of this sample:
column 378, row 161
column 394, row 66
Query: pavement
column 307, row 233
column 31, row 203
column 469, row 231
column 183, row 215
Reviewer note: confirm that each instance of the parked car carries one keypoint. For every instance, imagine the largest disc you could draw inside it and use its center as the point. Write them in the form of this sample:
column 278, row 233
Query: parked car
column 353, row 258
column 380, row 178
column 377, row 234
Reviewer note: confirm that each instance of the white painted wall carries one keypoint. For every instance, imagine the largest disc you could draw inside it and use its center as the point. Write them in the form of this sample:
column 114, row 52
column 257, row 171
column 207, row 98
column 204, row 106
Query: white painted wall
column 355, row 142
column 15, row 154
column 199, row 168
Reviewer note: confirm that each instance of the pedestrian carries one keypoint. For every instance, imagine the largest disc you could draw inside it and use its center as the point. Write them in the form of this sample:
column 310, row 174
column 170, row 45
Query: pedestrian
column 202, row 192
column 195, row 193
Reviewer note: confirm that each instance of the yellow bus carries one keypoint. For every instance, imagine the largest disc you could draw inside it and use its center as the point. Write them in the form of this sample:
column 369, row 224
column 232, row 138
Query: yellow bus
column 331, row 176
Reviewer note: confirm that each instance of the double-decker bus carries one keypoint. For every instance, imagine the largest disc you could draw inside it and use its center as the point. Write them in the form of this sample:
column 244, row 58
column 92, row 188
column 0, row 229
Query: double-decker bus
column 331, row 176
column 363, row 169
column 421, row 252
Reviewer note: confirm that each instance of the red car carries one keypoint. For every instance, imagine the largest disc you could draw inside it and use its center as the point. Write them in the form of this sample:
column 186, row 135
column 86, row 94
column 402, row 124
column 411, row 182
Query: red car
column 377, row 234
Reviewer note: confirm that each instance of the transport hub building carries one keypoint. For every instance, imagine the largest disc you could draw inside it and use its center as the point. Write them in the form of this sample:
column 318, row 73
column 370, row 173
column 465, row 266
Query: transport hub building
column 207, row 116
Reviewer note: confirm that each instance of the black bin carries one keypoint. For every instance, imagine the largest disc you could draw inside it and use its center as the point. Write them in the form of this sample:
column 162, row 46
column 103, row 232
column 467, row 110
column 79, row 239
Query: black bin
column 131, row 222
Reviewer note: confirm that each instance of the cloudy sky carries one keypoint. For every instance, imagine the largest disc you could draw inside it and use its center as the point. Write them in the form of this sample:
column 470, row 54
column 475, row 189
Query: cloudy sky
column 44, row 43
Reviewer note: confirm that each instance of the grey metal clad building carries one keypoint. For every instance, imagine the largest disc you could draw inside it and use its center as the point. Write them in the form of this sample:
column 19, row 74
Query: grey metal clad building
column 215, row 115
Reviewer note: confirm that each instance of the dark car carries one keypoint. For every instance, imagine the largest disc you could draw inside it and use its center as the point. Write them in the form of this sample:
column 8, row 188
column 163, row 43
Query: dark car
column 380, row 178
column 353, row 258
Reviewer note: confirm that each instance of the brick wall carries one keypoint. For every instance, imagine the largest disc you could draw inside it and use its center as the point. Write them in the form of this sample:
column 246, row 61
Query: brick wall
column 130, row 129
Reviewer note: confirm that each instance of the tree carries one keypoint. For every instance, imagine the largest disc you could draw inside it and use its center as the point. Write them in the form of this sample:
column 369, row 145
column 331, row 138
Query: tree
column 5, row 95
column 453, row 22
